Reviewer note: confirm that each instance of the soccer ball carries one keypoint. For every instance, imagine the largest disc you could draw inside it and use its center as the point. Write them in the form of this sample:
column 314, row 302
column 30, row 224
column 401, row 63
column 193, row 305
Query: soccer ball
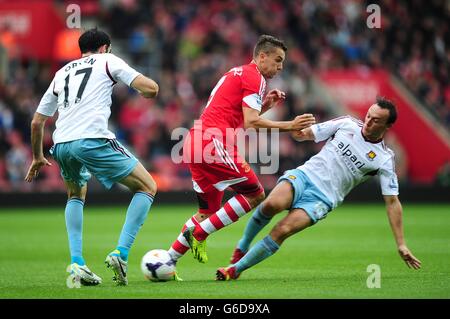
column 157, row 265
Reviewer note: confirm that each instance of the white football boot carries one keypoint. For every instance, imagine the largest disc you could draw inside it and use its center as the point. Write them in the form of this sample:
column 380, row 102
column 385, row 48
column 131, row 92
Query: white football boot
column 118, row 266
column 81, row 276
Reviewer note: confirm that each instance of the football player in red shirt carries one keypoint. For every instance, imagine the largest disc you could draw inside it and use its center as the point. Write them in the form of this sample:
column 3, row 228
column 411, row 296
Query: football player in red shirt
column 237, row 101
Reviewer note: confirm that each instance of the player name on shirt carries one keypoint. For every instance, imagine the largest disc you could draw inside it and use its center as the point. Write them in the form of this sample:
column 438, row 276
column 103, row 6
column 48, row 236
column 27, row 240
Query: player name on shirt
column 81, row 93
column 88, row 60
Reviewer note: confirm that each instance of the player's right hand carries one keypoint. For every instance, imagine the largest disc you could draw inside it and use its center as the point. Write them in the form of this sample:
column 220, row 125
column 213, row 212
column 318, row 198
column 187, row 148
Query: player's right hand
column 302, row 121
column 35, row 167
column 408, row 257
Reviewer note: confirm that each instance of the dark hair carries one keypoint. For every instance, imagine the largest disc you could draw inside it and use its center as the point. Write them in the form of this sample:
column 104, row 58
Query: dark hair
column 267, row 43
column 92, row 39
column 384, row 103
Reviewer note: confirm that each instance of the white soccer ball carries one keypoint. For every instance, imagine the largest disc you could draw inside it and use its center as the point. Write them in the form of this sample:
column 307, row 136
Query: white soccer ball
column 157, row 265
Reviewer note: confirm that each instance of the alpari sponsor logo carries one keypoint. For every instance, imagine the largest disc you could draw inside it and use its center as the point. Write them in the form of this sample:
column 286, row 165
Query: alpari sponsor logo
column 346, row 151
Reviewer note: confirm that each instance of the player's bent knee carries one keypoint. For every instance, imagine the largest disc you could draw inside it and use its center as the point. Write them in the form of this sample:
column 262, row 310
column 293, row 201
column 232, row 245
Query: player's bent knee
column 272, row 206
column 283, row 229
column 77, row 196
column 281, row 232
column 286, row 228
column 74, row 191
column 140, row 180
column 149, row 186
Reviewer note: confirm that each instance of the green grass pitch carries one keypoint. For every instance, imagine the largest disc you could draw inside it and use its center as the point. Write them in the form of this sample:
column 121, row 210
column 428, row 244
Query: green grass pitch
column 328, row 260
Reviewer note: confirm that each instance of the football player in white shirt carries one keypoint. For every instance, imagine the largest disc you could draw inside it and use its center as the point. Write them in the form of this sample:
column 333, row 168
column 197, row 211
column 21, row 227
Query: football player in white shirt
column 81, row 93
column 354, row 152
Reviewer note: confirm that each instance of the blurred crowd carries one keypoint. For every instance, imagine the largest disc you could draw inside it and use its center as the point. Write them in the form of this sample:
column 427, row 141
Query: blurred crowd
column 187, row 45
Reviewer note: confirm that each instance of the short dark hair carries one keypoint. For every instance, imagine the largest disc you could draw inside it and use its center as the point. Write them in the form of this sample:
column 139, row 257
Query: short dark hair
column 92, row 39
column 384, row 103
column 267, row 43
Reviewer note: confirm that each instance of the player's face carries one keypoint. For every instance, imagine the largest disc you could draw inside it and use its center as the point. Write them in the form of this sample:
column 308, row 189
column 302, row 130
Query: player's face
column 375, row 123
column 272, row 62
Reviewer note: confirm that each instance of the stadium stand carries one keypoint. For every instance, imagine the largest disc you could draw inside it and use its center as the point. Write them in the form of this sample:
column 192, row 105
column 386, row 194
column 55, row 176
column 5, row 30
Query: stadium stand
column 186, row 46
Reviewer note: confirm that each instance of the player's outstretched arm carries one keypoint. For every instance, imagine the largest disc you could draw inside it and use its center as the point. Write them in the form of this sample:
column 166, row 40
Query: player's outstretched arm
column 37, row 134
column 145, row 86
column 252, row 119
column 395, row 212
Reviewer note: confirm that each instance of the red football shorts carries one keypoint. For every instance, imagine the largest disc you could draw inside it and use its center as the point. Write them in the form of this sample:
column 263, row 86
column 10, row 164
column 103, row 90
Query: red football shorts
column 214, row 168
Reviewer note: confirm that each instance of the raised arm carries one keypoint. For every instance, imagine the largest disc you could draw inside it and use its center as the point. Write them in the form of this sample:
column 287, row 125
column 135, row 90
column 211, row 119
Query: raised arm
column 145, row 86
column 395, row 212
column 272, row 98
column 37, row 135
column 252, row 119
column 119, row 70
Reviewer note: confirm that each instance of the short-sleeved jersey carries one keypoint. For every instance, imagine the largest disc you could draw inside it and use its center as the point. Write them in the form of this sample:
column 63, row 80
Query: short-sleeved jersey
column 242, row 86
column 81, row 92
column 347, row 159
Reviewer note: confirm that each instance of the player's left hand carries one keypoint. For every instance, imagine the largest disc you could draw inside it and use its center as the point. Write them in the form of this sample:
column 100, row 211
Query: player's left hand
column 408, row 257
column 35, row 167
column 274, row 97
